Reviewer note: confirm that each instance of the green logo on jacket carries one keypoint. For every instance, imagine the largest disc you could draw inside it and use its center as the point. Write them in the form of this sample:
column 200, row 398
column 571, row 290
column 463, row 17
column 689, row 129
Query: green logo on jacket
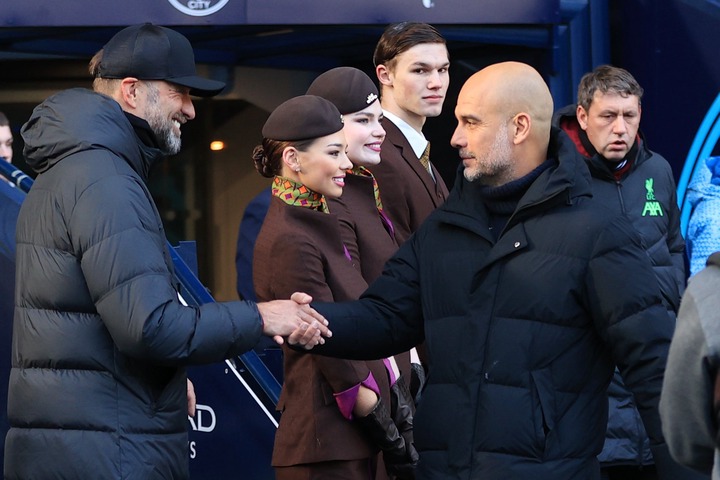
column 652, row 206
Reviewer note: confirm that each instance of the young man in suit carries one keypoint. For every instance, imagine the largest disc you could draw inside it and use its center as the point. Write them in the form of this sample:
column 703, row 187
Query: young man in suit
column 411, row 62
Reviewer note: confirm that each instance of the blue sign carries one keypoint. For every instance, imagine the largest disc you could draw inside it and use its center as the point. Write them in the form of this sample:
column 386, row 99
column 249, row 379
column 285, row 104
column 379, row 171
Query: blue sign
column 232, row 433
column 389, row 11
column 87, row 13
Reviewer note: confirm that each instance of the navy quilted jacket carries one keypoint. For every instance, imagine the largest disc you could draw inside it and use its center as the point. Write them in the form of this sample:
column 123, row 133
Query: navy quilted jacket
column 100, row 340
column 522, row 333
column 646, row 194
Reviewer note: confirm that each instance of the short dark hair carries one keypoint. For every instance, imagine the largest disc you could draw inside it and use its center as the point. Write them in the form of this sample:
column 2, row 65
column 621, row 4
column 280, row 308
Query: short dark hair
column 4, row 122
column 399, row 37
column 604, row 79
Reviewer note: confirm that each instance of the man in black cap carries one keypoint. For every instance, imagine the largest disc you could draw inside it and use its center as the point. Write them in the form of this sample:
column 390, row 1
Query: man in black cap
column 100, row 339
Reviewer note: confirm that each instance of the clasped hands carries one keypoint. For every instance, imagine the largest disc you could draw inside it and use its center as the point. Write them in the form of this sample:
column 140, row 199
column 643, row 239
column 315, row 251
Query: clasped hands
column 295, row 320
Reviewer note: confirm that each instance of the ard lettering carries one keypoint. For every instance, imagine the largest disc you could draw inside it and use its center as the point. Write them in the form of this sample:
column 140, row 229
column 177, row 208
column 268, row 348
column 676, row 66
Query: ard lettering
column 204, row 420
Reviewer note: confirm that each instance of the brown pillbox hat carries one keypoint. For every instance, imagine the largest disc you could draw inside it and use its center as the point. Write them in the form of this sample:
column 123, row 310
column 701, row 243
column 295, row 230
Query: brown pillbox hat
column 350, row 89
column 303, row 118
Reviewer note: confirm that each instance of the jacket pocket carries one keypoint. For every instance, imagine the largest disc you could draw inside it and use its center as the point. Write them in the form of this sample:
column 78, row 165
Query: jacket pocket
column 544, row 406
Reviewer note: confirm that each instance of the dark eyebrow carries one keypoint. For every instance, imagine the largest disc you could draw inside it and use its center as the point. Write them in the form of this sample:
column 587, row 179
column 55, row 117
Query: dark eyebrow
column 427, row 65
column 364, row 114
column 609, row 111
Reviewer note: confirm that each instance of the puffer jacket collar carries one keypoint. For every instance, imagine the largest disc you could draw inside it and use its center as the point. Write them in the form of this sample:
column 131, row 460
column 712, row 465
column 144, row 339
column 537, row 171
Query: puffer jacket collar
column 566, row 120
column 567, row 180
column 77, row 120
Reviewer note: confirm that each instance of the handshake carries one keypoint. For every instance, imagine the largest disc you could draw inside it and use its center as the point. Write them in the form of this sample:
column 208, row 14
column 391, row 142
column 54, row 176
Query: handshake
column 294, row 319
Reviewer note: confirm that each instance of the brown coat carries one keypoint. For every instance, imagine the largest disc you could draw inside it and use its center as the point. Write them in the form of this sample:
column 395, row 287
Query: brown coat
column 365, row 236
column 299, row 249
column 362, row 229
column 408, row 191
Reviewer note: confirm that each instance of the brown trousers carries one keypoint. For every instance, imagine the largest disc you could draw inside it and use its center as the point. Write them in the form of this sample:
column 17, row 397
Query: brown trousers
column 365, row 469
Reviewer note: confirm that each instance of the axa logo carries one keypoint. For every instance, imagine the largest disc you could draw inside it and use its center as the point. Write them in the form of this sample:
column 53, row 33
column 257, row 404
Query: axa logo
column 652, row 206
column 198, row 8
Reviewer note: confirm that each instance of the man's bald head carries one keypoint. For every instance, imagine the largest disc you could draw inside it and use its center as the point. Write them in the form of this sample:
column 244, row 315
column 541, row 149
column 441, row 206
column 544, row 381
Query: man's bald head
column 514, row 87
column 504, row 114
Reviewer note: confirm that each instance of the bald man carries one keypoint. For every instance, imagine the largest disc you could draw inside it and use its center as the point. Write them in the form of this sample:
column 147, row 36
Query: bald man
column 526, row 292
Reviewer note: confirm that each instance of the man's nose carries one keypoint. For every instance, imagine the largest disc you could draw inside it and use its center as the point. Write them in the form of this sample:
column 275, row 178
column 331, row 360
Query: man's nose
column 435, row 80
column 457, row 140
column 620, row 125
column 188, row 109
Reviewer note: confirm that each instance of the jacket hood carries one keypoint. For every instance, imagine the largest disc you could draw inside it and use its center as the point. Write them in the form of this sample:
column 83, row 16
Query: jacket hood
column 77, row 120
column 566, row 120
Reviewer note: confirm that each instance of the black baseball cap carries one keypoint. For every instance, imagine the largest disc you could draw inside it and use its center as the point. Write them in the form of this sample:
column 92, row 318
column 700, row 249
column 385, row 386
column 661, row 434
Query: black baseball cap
column 151, row 52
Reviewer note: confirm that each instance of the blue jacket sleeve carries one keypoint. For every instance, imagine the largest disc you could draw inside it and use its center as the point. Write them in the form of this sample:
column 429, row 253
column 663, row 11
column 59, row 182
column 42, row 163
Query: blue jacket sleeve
column 115, row 232
column 626, row 304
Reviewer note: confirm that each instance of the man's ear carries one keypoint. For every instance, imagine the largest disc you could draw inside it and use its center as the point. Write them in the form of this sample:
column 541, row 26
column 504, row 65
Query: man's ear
column 522, row 124
column 582, row 117
column 384, row 75
column 128, row 92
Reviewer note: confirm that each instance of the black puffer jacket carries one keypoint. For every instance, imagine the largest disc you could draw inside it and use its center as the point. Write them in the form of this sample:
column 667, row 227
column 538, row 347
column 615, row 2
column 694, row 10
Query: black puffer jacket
column 657, row 220
column 521, row 332
column 98, row 388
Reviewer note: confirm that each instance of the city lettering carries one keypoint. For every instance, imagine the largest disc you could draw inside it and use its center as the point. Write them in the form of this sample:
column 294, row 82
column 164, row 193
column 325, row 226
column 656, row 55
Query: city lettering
column 198, row 4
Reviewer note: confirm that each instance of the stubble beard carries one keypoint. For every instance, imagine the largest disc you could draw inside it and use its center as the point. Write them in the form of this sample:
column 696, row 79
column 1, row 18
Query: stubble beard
column 498, row 161
column 163, row 128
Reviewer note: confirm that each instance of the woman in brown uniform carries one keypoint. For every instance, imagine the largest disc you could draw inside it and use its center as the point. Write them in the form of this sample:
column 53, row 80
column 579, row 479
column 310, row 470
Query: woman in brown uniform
column 334, row 417
column 366, row 229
